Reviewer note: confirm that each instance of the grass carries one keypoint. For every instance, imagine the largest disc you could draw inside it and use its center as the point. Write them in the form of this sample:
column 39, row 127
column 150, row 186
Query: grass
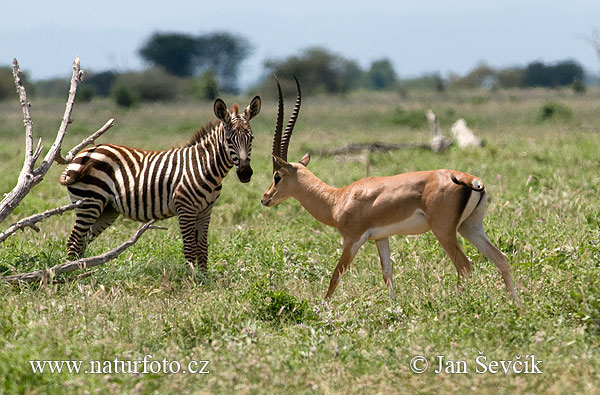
column 258, row 315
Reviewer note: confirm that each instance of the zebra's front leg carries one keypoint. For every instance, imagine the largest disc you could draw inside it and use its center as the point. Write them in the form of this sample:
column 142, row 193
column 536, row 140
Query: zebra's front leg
column 202, row 223
column 187, row 225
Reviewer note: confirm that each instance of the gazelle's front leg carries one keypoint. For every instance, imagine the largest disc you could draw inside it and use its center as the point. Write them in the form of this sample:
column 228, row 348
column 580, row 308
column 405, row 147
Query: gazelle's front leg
column 383, row 247
column 351, row 246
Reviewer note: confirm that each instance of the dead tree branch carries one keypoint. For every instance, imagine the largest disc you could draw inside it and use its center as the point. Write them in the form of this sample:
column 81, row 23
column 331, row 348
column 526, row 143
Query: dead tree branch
column 87, row 141
column 32, row 220
column 31, row 176
column 83, row 263
column 358, row 148
column 438, row 141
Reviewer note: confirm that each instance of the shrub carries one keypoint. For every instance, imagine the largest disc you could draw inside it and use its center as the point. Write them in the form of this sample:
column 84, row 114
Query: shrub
column 578, row 86
column 85, row 94
column 101, row 82
column 124, row 97
column 205, row 87
column 278, row 306
column 7, row 84
column 150, row 85
column 555, row 111
column 414, row 119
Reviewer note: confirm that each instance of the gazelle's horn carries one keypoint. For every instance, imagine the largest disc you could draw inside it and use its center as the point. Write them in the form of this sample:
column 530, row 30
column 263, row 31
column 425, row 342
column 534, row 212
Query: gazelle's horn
column 278, row 127
column 289, row 128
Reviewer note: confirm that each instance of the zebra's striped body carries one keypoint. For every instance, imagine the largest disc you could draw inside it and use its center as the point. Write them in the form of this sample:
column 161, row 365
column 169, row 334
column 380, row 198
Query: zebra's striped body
column 143, row 185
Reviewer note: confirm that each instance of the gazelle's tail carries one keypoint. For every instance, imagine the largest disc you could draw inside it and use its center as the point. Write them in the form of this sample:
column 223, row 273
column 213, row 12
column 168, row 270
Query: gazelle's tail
column 467, row 180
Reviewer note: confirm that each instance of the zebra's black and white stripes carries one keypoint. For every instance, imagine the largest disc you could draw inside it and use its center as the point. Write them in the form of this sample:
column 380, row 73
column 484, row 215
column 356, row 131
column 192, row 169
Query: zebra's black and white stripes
column 143, row 185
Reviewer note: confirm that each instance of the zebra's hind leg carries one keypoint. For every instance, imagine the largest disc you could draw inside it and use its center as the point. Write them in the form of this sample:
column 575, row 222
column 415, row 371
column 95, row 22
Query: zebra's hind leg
column 202, row 223
column 106, row 219
column 85, row 216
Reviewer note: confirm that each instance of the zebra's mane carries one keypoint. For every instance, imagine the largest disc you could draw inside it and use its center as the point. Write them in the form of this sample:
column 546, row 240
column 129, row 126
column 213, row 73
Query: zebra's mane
column 200, row 133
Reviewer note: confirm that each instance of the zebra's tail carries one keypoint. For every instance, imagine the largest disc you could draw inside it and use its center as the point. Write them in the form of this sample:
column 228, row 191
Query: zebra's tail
column 71, row 174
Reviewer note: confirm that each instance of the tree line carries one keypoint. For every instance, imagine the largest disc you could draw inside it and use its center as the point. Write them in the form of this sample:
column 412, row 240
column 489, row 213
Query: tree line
column 205, row 65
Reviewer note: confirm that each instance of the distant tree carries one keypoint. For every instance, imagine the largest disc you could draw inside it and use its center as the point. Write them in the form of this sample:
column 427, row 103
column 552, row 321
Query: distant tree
column 382, row 75
column 175, row 52
column 475, row 78
column 150, row 85
column 101, row 82
column 327, row 72
column 559, row 74
column 7, row 83
column 223, row 53
column 185, row 55
column 510, row 77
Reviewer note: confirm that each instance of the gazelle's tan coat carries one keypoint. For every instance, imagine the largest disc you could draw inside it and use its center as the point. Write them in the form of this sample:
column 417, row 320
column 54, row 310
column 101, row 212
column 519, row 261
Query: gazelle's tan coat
column 375, row 208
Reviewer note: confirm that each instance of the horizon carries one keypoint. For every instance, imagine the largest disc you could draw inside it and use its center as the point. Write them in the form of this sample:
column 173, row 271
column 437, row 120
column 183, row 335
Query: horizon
column 432, row 37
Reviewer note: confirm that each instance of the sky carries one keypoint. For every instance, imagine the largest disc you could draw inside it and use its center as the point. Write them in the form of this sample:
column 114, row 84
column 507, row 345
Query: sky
column 417, row 36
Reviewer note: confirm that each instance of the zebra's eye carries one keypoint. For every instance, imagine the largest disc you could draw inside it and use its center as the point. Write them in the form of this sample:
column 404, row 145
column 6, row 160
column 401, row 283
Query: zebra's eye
column 276, row 179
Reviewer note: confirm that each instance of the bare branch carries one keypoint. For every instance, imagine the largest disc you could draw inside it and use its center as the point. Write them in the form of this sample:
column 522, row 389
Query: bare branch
column 69, row 158
column 51, row 154
column 32, row 220
column 25, row 106
column 30, row 176
column 26, row 179
column 438, row 141
column 83, row 263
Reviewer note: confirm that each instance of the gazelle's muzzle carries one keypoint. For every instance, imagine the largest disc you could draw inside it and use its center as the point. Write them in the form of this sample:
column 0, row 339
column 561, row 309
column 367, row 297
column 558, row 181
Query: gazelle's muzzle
column 244, row 171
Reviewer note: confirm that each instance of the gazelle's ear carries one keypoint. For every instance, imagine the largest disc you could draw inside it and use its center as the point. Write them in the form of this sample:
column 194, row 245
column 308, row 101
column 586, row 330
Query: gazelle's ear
column 221, row 111
column 305, row 159
column 253, row 109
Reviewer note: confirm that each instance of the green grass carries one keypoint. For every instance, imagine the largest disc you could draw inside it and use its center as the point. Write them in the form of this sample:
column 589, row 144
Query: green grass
column 259, row 316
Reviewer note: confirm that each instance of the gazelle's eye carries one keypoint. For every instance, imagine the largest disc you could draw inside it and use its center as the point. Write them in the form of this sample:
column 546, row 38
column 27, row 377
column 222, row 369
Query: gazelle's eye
column 276, row 178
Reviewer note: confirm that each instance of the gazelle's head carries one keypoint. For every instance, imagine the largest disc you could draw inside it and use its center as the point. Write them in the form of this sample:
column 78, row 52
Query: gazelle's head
column 238, row 134
column 284, row 174
column 285, row 180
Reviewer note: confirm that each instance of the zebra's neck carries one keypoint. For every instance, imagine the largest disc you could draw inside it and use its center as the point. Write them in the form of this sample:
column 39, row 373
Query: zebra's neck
column 210, row 157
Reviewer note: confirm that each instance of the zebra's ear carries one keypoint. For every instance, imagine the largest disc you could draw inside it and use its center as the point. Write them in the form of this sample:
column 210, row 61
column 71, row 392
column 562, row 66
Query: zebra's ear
column 221, row 111
column 253, row 109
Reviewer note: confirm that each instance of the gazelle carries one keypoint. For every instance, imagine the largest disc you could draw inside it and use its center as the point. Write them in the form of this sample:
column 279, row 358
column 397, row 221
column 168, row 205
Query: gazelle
column 375, row 208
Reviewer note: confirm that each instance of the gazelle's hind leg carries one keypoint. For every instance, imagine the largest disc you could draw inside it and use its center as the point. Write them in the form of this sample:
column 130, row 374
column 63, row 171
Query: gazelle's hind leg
column 472, row 230
column 449, row 242
column 85, row 217
column 383, row 247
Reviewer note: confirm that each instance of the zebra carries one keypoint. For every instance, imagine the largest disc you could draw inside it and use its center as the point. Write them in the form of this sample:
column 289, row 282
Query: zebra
column 143, row 185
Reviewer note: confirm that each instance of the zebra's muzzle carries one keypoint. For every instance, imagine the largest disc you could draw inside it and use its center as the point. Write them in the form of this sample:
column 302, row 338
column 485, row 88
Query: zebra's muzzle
column 244, row 171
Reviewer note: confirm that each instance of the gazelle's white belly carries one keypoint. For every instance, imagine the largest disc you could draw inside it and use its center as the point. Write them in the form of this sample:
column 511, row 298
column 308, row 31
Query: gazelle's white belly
column 413, row 225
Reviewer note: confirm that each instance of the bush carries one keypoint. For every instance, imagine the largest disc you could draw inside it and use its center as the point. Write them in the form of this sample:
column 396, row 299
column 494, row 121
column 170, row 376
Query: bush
column 7, row 83
column 578, row 86
column 278, row 306
column 150, row 85
column 85, row 94
column 414, row 119
column 124, row 97
column 205, row 87
column 555, row 111
column 102, row 82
